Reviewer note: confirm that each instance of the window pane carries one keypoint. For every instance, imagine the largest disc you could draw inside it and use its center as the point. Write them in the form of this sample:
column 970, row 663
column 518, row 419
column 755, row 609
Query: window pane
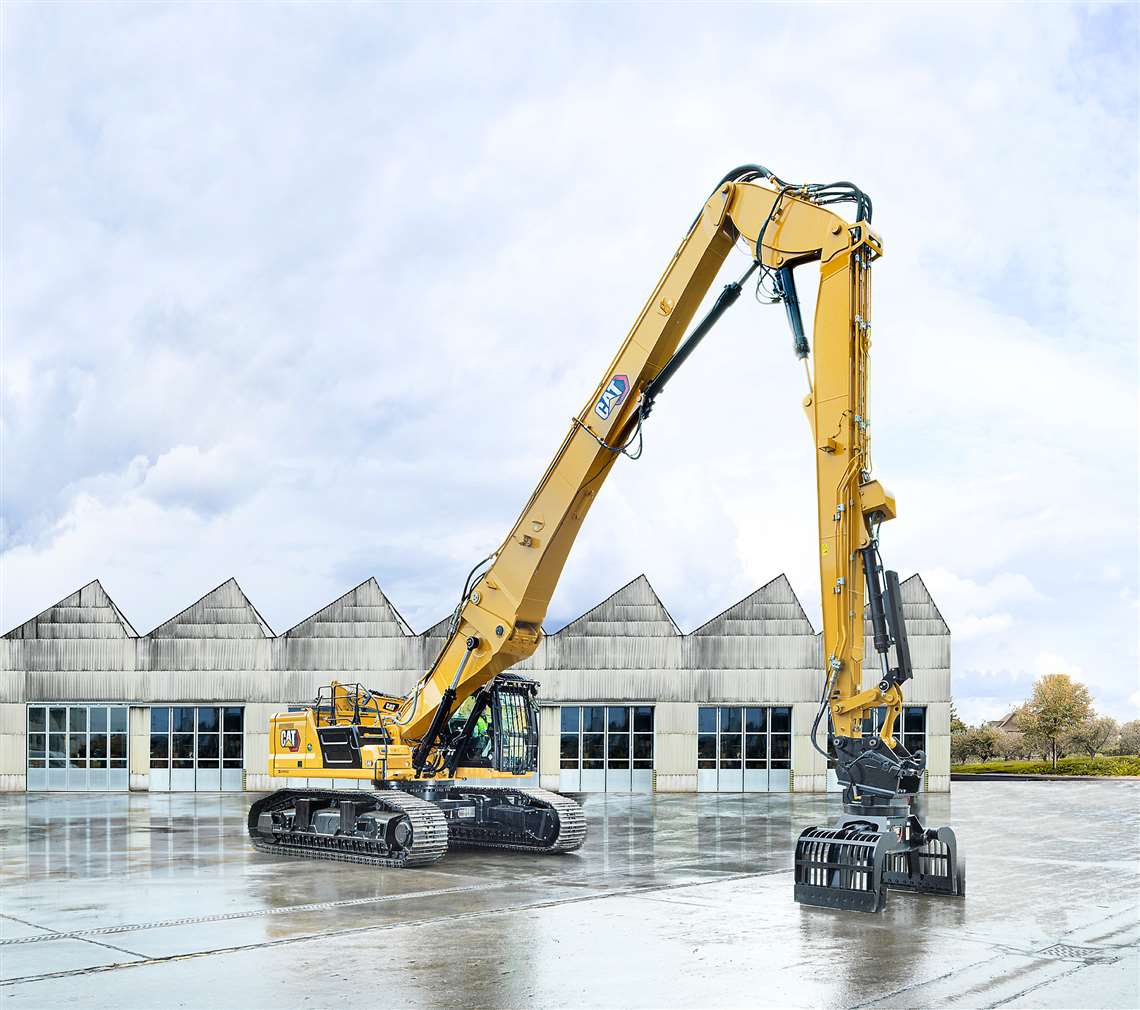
column 706, row 746
column 98, row 745
column 618, row 719
column 755, row 719
column 57, row 745
column 914, row 719
column 78, row 748
column 233, row 720
column 781, row 720
column 914, row 742
column 619, row 746
column 118, row 720
column 207, row 720
column 781, row 748
column 643, row 719
column 97, row 720
column 159, row 749
column 57, row 720
column 594, row 719
column 118, row 745
column 755, row 746
column 37, row 744
column 730, row 720
column 159, row 720
column 569, row 718
column 183, row 744
column 706, row 720
column 98, row 762
column 232, row 746
column 78, row 720
column 568, row 749
column 643, row 746
column 183, row 720
column 118, row 764
column 37, row 720
column 593, row 746
column 37, row 763
column 730, row 747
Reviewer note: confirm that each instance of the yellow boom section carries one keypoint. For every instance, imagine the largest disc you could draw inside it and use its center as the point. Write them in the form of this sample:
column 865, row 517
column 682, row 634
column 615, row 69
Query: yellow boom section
column 502, row 615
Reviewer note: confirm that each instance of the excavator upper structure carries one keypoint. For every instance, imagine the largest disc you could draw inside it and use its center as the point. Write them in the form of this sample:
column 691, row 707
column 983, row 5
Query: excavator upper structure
column 445, row 764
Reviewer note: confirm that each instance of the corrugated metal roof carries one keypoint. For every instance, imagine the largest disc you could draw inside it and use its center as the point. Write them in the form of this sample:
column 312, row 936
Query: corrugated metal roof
column 635, row 611
column 773, row 609
column 362, row 612
column 224, row 612
column 627, row 646
column 87, row 613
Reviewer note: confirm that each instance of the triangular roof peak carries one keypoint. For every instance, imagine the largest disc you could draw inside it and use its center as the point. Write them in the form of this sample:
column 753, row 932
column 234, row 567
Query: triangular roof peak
column 916, row 596
column 634, row 610
column 89, row 612
column 224, row 612
column 773, row 609
column 363, row 612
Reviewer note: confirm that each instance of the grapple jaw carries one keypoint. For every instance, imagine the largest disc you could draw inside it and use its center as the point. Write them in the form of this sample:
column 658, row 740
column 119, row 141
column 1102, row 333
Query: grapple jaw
column 842, row 867
column 926, row 861
column 852, row 864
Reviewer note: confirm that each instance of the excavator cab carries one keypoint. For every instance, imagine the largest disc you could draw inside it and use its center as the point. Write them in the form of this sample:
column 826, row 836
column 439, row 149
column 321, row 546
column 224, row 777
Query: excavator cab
column 496, row 728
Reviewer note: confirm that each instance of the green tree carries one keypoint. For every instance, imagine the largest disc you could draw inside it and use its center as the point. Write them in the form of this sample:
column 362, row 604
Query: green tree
column 956, row 724
column 1129, row 741
column 1058, row 705
column 1093, row 736
column 1010, row 746
column 987, row 741
column 963, row 746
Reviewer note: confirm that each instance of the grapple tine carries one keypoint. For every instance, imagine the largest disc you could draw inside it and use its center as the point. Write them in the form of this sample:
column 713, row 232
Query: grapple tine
column 927, row 862
column 842, row 868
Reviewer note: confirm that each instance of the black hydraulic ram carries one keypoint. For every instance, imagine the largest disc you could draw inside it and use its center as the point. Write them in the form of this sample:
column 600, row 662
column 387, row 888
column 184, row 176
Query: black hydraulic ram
column 442, row 712
column 786, row 289
column 725, row 300
column 887, row 625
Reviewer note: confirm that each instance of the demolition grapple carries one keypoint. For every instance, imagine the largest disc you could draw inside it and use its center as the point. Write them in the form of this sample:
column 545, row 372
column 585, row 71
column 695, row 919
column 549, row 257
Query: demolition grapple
column 878, row 842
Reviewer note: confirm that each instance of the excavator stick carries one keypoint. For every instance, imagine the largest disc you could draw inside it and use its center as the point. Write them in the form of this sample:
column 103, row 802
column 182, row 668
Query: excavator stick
column 852, row 865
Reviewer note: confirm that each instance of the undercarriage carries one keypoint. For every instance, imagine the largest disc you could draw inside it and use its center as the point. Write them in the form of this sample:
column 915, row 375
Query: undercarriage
column 410, row 824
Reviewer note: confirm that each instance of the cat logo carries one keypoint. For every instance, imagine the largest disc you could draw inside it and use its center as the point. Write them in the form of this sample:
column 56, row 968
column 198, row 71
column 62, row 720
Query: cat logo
column 290, row 740
column 617, row 389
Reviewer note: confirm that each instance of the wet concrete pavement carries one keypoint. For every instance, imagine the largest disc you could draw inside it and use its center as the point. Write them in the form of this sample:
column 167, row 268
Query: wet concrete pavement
column 675, row 900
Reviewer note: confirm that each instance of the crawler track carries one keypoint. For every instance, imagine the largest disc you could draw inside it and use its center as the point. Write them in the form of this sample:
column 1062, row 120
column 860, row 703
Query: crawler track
column 571, row 829
column 429, row 830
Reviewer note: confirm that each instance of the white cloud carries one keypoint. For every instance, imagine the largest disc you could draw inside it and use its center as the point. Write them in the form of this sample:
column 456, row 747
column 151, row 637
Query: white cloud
column 303, row 297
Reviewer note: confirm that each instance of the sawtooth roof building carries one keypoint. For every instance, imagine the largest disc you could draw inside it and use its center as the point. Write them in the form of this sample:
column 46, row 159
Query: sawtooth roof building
column 628, row 702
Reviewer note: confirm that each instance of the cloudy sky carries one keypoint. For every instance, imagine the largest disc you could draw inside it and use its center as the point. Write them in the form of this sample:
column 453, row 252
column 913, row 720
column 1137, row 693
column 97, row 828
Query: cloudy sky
column 306, row 294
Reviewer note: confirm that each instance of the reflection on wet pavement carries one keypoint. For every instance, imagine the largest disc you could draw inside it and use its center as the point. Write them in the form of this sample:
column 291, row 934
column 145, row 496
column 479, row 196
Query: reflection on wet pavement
column 680, row 900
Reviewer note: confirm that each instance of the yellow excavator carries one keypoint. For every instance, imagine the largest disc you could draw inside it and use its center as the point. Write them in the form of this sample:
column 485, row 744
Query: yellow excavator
column 442, row 766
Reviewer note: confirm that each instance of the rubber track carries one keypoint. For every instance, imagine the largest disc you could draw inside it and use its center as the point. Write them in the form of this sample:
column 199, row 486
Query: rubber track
column 429, row 830
column 571, row 822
